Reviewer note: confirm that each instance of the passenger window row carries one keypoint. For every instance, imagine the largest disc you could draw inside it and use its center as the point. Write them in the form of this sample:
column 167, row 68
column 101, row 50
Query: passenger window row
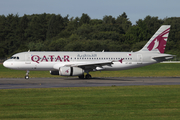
column 104, row 58
column 91, row 58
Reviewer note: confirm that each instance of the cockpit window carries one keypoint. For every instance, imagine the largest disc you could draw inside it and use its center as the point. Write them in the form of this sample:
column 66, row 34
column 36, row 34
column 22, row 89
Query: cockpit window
column 15, row 57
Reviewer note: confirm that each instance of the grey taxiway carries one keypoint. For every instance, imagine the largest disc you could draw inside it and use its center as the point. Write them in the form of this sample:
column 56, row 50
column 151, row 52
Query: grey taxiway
column 17, row 83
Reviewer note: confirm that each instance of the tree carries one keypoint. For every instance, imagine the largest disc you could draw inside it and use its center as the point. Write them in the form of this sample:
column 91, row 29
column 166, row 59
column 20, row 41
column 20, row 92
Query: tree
column 37, row 28
column 72, row 25
column 85, row 19
column 123, row 21
column 108, row 19
column 84, row 30
column 23, row 25
column 56, row 24
column 11, row 33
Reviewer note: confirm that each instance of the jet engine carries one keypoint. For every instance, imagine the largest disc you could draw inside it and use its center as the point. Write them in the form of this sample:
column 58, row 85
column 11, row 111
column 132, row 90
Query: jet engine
column 68, row 71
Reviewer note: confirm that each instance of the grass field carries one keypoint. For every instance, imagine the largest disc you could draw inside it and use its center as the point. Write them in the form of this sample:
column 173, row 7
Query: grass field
column 89, row 103
column 155, row 70
column 99, row 103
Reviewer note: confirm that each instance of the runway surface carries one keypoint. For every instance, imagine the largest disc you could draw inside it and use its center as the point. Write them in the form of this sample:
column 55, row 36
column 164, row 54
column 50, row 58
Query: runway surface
column 17, row 83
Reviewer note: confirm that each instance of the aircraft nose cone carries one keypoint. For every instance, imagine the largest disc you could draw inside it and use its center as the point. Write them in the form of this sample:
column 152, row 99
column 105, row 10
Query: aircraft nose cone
column 6, row 64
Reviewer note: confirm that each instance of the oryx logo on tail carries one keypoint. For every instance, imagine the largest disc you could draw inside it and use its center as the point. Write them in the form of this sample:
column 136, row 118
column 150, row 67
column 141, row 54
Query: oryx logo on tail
column 159, row 42
column 156, row 44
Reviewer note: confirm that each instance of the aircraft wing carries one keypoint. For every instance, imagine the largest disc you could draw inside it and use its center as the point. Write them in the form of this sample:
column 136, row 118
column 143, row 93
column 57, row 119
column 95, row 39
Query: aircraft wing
column 92, row 64
column 86, row 65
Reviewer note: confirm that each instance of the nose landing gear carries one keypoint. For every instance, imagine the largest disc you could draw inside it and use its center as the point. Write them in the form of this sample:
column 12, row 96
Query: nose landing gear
column 27, row 75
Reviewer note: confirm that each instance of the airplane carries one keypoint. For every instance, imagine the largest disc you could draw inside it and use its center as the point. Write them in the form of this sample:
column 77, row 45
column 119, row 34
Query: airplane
column 79, row 63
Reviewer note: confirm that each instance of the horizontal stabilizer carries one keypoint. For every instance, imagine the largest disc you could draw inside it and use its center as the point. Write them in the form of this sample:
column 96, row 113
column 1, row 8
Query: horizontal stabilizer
column 166, row 57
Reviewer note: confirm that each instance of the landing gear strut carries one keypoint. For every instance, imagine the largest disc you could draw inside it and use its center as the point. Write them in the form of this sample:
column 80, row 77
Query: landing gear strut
column 27, row 75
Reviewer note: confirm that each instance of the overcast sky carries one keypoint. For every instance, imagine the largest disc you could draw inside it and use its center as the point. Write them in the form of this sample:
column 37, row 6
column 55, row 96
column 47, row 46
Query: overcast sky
column 96, row 9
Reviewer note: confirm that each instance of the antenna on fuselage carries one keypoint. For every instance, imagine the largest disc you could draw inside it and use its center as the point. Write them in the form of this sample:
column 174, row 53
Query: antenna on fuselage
column 28, row 50
column 103, row 51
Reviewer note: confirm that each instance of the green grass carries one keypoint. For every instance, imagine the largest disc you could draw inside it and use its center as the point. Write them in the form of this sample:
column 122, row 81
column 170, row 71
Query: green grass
column 89, row 103
column 155, row 70
column 100, row 103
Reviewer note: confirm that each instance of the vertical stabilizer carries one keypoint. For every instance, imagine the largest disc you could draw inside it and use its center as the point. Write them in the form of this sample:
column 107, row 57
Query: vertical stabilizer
column 157, row 43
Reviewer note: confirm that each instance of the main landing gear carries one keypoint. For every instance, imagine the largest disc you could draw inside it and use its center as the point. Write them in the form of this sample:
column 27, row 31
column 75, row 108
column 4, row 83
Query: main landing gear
column 27, row 75
column 87, row 76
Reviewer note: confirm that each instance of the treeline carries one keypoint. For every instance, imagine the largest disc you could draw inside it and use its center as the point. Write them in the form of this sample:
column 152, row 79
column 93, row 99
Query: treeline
column 50, row 32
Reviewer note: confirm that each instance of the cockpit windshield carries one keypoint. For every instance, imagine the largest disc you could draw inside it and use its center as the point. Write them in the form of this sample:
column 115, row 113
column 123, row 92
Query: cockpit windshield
column 15, row 57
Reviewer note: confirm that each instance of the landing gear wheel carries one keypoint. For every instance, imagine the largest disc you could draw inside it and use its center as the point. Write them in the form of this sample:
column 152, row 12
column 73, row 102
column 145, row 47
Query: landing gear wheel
column 26, row 77
column 88, row 76
column 81, row 77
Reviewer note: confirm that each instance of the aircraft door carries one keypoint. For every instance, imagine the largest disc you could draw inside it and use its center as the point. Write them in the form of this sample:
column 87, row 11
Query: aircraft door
column 27, row 58
column 139, row 59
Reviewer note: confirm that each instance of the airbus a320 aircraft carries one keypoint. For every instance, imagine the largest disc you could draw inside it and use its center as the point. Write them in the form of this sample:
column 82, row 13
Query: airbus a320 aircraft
column 78, row 63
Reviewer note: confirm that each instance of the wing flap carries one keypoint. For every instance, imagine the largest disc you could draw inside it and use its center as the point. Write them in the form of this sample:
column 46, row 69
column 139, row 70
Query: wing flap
column 97, row 64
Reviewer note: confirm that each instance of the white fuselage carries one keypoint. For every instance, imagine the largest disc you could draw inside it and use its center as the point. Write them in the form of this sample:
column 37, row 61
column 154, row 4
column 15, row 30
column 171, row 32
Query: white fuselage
column 55, row 60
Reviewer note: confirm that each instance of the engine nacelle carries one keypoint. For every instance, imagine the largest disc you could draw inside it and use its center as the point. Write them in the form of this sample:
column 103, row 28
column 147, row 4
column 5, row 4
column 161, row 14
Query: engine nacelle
column 68, row 71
